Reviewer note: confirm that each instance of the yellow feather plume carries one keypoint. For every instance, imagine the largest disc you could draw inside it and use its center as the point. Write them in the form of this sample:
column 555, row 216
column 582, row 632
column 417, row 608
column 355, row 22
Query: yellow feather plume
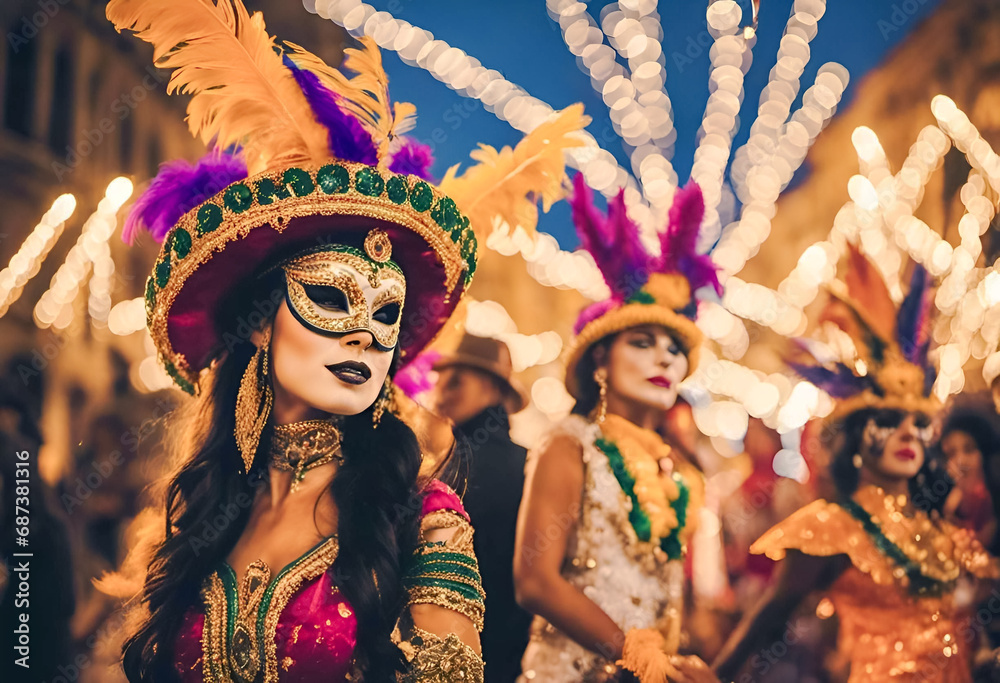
column 366, row 95
column 242, row 93
column 507, row 184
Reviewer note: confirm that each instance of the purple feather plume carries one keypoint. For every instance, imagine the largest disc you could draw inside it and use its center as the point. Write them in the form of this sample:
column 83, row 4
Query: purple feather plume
column 840, row 383
column 178, row 188
column 678, row 243
column 413, row 158
column 913, row 319
column 593, row 312
column 348, row 140
column 612, row 240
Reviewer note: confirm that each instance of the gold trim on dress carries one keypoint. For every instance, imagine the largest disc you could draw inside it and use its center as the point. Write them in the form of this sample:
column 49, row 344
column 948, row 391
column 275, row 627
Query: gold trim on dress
column 221, row 662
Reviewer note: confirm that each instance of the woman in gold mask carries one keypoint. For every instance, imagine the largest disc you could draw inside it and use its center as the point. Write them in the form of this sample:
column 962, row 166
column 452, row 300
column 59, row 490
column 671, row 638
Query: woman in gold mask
column 880, row 551
column 304, row 260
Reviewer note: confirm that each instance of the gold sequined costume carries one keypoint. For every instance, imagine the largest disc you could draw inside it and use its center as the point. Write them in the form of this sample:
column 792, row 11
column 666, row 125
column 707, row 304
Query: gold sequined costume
column 888, row 633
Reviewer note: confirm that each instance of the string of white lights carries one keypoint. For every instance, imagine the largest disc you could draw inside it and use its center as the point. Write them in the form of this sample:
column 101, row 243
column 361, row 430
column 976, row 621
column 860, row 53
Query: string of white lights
column 54, row 308
column 731, row 55
column 467, row 76
column 25, row 264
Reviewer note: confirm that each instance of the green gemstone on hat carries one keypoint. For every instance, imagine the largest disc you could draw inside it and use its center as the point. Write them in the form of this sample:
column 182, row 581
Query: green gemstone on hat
column 421, row 196
column 333, row 179
column 180, row 242
column 469, row 245
column 369, row 182
column 641, row 297
column 209, row 218
column 268, row 191
column 238, row 198
column 446, row 214
column 396, row 189
column 300, row 181
column 162, row 271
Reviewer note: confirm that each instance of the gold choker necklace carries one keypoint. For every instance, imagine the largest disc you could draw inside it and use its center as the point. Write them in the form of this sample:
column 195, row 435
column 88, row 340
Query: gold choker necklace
column 301, row 446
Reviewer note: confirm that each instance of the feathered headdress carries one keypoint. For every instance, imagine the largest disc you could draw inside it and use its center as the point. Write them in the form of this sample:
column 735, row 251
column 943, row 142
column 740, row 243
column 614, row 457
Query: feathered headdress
column 302, row 154
column 892, row 368
column 645, row 289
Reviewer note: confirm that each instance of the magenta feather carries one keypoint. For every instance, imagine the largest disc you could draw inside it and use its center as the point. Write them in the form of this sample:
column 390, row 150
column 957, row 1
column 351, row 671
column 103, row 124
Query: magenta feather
column 348, row 140
column 593, row 312
column 678, row 243
column 179, row 187
column 612, row 240
column 413, row 379
column 913, row 319
column 413, row 158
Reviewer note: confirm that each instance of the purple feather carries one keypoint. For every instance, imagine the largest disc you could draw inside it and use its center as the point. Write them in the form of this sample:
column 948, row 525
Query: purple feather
column 179, row 187
column 913, row 319
column 413, row 158
column 678, row 243
column 593, row 312
column 840, row 383
column 612, row 240
column 348, row 140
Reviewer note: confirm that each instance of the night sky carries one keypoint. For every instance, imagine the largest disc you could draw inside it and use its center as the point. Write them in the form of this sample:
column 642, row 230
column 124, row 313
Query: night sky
column 517, row 38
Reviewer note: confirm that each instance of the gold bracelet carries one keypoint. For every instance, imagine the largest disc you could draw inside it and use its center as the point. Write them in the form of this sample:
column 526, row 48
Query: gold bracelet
column 433, row 659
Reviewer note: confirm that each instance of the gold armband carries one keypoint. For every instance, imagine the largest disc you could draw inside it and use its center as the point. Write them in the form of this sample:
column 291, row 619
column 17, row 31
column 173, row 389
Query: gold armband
column 433, row 659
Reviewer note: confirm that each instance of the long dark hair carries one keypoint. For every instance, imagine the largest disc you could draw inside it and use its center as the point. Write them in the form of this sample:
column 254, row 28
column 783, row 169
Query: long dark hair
column 981, row 428
column 376, row 491
column 587, row 390
column 928, row 489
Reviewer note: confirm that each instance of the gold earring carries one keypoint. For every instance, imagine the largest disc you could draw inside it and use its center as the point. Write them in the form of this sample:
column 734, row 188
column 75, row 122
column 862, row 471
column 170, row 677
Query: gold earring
column 254, row 401
column 857, row 461
column 385, row 400
column 601, row 377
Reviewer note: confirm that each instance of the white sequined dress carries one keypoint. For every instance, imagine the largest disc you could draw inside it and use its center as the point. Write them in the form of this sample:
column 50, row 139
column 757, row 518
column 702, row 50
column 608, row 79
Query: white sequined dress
column 606, row 560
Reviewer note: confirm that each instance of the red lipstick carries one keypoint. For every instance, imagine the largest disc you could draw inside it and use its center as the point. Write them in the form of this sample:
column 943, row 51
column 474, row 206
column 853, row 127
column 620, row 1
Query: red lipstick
column 662, row 382
column 906, row 454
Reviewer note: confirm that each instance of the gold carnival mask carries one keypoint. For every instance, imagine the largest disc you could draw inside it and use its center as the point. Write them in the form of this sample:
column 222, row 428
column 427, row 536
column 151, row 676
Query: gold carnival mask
column 342, row 289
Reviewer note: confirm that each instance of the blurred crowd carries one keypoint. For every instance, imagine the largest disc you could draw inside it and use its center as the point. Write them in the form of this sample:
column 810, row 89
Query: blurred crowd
column 79, row 525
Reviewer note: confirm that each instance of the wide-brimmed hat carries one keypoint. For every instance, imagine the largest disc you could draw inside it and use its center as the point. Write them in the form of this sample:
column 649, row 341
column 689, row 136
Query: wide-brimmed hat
column 491, row 356
column 303, row 157
column 645, row 289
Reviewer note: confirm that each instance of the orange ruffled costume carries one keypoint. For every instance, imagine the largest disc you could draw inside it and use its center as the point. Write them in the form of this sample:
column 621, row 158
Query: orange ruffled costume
column 889, row 633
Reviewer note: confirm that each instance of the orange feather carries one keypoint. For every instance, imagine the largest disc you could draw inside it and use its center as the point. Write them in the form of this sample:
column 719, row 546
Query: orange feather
column 242, row 93
column 508, row 183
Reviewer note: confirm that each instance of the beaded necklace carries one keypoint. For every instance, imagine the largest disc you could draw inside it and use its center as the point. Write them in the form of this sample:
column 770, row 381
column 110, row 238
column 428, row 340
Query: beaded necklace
column 659, row 504
column 920, row 581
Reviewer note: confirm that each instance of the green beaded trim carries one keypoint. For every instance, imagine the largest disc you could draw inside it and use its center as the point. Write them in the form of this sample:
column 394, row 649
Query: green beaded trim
column 430, row 550
column 432, row 566
column 430, row 569
column 641, row 297
column 464, row 591
column 670, row 544
column 920, row 583
column 276, row 189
